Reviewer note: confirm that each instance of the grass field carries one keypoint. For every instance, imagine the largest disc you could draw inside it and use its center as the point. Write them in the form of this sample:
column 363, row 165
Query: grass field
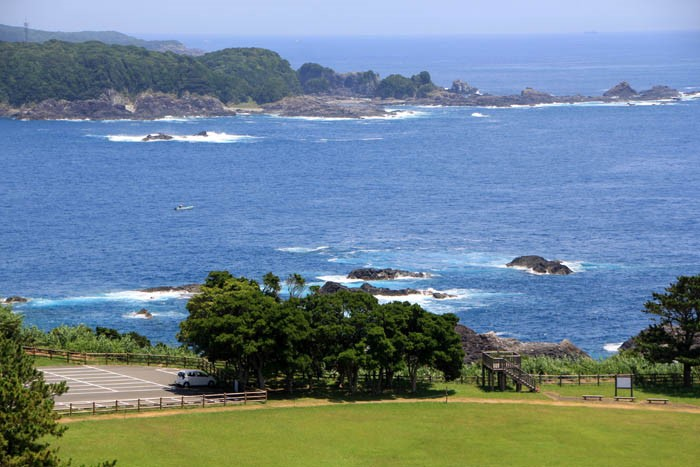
column 677, row 395
column 392, row 434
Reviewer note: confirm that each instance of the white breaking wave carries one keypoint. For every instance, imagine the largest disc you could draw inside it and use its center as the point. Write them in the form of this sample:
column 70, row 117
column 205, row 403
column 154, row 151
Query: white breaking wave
column 575, row 266
column 212, row 137
column 140, row 296
column 479, row 115
column 339, row 279
column 612, row 347
column 154, row 314
column 344, row 279
column 301, row 249
column 124, row 296
column 425, row 297
column 398, row 114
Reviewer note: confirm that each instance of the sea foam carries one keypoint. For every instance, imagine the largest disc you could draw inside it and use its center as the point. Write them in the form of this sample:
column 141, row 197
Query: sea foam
column 212, row 137
column 612, row 347
column 301, row 249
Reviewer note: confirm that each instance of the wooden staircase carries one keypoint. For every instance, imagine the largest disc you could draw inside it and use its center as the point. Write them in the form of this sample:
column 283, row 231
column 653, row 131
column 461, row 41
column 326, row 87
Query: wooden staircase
column 505, row 365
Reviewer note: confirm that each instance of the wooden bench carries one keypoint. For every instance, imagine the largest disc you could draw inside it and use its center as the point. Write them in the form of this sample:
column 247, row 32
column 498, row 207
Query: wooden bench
column 657, row 401
column 589, row 397
column 624, row 398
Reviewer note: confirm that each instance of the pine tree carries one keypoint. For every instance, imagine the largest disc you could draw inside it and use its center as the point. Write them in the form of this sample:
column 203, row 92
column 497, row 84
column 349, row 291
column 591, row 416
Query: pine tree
column 676, row 334
column 27, row 417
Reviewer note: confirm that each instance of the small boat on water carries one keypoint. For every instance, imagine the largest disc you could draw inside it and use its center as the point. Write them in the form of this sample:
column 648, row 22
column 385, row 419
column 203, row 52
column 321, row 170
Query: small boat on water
column 182, row 207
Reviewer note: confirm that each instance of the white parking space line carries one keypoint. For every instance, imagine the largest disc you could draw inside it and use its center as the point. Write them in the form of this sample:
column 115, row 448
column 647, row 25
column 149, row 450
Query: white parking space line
column 121, row 377
column 86, row 380
column 68, row 379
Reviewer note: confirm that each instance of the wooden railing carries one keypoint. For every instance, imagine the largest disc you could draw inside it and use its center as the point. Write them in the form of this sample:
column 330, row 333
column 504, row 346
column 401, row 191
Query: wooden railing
column 120, row 358
column 517, row 374
column 159, row 403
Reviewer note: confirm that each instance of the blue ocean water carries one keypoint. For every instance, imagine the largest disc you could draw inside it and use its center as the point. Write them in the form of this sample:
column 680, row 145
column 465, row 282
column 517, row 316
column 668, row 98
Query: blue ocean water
column 87, row 218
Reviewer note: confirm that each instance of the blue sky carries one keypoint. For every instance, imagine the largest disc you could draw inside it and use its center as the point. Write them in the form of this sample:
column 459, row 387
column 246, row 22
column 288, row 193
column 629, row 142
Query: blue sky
column 348, row 17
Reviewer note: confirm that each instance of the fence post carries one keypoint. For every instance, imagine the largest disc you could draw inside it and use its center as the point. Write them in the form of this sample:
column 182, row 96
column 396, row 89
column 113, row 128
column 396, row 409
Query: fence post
column 202, row 400
column 161, row 403
column 224, row 399
column 70, row 409
column 116, row 406
column 182, row 402
column 559, row 380
column 93, row 407
column 245, row 397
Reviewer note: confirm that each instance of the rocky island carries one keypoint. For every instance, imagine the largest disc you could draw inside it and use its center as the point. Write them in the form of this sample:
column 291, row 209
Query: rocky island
column 218, row 83
column 331, row 287
column 539, row 265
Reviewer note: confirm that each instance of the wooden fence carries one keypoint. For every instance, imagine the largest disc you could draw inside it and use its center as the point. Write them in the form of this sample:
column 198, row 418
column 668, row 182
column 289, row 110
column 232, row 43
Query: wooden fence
column 159, row 403
column 120, row 358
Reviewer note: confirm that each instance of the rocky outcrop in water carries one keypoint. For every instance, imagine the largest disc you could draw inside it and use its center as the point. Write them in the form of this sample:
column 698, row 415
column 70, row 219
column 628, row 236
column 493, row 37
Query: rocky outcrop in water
column 334, row 287
column 540, row 265
column 386, row 274
column 325, row 107
column 188, row 288
column 157, row 137
column 474, row 344
column 15, row 299
column 114, row 105
column 463, row 88
column 622, row 90
column 144, row 313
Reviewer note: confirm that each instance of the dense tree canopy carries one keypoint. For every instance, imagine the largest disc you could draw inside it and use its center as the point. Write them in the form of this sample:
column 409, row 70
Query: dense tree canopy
column 676, row 333
column 345, row 333
column 400, row 87
column 73, row 71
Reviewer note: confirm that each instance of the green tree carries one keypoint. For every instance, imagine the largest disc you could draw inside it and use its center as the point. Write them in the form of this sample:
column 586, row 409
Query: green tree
column 295, row 285
column 271, row 285
column 397, row 87
column 27, row 418
column 676, row 333
column 233, row 320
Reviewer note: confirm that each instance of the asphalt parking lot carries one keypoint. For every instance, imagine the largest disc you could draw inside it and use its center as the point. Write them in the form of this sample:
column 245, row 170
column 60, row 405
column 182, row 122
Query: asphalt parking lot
column 110, row 382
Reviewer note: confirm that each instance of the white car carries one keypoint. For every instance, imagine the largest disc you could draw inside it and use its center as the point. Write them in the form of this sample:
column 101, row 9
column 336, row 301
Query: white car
column 187, row 378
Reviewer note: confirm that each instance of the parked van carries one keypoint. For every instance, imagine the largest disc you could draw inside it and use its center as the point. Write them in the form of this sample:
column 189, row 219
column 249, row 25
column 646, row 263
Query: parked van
column 187, row 378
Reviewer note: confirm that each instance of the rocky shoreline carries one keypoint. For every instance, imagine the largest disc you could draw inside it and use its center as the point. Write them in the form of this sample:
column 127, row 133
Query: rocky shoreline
column 153, row 105
column 474, row 344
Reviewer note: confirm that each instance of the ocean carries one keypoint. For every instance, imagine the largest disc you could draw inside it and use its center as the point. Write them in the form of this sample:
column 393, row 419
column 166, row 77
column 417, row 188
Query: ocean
column 87, row 214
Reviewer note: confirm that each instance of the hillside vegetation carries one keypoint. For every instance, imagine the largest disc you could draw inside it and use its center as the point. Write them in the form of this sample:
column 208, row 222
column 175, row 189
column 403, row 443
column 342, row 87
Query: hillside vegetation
column 33, row 72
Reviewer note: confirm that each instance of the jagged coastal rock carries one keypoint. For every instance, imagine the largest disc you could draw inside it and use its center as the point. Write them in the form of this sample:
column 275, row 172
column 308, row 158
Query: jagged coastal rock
column 187, row 288
column 474, row 344
column 340, row 102
column 157, row 137
column 622, row 90
column 15, row 299
column 386, row 274
column 540, row 265
column 463, row 88
column 334, row 287
column 325, row 107
column 114, row 105
column 144, row 313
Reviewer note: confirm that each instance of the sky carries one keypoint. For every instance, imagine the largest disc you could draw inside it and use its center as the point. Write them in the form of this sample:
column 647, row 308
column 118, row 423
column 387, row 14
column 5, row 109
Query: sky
column 352, row 17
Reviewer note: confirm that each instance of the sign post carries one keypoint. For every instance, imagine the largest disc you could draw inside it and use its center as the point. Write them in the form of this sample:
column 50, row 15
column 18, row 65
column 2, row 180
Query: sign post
column 624, row 382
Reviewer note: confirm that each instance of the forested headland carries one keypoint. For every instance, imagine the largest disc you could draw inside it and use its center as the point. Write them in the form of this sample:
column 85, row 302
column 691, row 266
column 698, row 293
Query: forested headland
column 32, row 73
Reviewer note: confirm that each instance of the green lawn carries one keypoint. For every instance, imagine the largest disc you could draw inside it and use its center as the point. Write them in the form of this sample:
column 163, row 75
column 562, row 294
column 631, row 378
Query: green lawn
column 398, row 434
column 677, row 395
